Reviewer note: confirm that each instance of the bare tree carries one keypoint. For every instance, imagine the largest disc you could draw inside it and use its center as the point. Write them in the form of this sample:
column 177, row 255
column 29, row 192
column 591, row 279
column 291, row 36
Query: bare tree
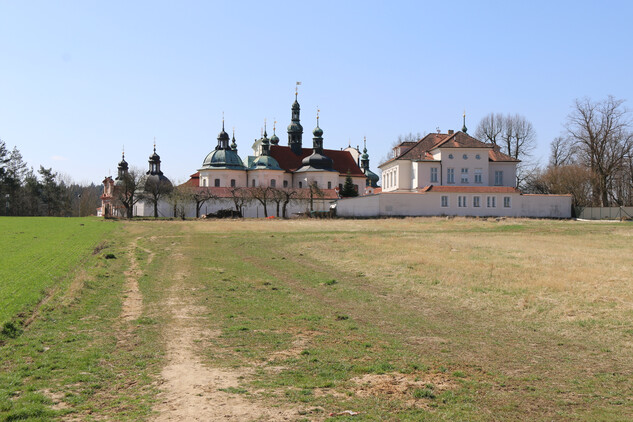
column 277, row 196
column 157, row 187
column 601, row 130
column 261, row 194
column 126, row 190
column 490, row 128
column 515, row 136
column 200, row 195
column 561, row 152
column 180, row 197
column 240, row 197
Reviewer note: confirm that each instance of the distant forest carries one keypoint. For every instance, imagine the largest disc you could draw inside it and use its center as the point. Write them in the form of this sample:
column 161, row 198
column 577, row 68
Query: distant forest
column 24, row 191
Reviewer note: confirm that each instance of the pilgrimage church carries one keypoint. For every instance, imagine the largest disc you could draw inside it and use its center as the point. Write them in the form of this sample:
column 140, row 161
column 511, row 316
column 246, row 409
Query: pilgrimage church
column 313, row 176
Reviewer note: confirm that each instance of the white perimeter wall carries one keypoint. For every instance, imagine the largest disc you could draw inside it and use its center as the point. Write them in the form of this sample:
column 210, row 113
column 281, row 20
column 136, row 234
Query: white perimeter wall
column 429, row 204
column 251, row 210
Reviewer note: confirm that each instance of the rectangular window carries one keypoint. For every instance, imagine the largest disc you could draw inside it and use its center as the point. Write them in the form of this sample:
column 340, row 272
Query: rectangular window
column 461, row 201
column 476, row 201
column 464, row 175
column 498, row 178
column 491, row 202
column 217, row 183
column 506, row 202
column 329, row 185
column 232, row 183
column 285, row 183
column 434, row 175
column 478, row 173
column 273, row 183
column 253, row 185
column 444, row 201
column 450, row 175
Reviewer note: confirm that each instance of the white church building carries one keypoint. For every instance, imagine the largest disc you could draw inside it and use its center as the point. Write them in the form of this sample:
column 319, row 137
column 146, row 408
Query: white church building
column 452, row 174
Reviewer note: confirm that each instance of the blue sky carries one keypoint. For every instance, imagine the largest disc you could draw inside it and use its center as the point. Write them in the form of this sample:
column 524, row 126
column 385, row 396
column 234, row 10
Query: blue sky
column 81, row 79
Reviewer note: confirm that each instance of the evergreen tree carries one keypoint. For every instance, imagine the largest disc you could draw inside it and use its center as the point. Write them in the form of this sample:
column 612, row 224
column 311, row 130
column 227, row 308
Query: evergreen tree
column 349, row 190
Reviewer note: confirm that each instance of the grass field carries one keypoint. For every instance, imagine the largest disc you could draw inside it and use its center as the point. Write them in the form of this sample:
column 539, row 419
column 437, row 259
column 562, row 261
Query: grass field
column 413, row 319
column 35, row 253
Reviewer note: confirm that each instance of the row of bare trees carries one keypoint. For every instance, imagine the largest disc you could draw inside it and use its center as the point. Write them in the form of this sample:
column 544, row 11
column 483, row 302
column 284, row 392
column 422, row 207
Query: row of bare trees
column 593, row 159
column 132, row 190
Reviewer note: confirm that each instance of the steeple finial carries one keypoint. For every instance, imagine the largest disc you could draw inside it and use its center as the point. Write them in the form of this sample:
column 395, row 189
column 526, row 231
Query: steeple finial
column 318, row 111
column 123, row 153
column 464, row 128
column 223, row 121
column 274, row 126
column 154, row 144
column 297, row 90
column 265, row 126
column 364, row 144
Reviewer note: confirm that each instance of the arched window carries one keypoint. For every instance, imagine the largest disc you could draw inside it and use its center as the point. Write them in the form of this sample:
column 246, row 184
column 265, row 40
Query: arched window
column 232, row 183
column 273, row 182
column 300, row 185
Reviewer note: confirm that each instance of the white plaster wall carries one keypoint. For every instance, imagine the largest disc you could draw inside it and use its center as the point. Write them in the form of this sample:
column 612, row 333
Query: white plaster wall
column 263, row 177
column 549, row 206
column 225, row 177
column 471, row 163
column 361, row 206
column 429, row 204
column 146, row 209
column 509, row 173
column 424, row 173
column 321, row 177
column 254, row 209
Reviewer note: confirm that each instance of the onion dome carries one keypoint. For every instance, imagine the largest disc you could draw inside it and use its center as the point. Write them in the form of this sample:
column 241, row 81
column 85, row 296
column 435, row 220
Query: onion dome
column 265, row 162
column 224, row 156
column 317, row 132
column 318, row 161
column 274, row 140
column 223, row 159
column 122, row 171
column 156, row 181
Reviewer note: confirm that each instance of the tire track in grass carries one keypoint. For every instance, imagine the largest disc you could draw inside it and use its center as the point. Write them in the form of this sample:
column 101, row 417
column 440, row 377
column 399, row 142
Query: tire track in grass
column 191, row 390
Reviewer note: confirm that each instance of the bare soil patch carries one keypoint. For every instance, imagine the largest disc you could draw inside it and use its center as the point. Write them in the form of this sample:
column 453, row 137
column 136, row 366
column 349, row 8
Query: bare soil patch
column 191, row 390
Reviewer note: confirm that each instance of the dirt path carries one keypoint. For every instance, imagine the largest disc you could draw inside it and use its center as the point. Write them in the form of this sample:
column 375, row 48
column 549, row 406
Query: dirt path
column 133, row 301
column 190, row 389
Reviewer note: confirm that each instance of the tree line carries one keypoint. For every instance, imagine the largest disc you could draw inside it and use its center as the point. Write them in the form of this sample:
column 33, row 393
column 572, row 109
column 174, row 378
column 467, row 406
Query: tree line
column 26, row 192
column 592, row 159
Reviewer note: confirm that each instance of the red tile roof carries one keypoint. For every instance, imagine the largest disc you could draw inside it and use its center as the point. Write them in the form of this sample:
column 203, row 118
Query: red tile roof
column 421, row 150
column 470, row 189
column 289, row 161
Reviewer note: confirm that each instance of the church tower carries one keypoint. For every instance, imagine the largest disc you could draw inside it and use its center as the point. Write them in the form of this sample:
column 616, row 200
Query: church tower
column 295, row 130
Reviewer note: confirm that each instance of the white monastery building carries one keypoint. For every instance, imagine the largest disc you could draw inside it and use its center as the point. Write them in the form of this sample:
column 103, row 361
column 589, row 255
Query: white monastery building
column 452, row 174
